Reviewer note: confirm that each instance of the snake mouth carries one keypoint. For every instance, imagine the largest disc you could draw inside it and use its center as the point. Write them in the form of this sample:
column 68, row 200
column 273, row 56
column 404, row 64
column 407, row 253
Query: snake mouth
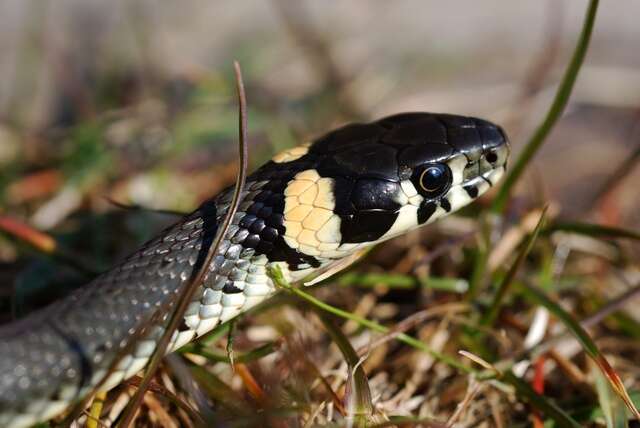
column 483, row 181
column 474, row 173
column 477, row 170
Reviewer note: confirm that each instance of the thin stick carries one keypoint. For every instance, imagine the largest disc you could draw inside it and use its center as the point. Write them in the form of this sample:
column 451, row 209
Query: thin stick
column 196, row 280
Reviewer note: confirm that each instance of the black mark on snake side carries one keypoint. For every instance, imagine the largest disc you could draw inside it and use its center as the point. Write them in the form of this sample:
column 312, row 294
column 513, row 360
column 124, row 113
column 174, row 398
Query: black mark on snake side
column 471, row 190
column 425, row 211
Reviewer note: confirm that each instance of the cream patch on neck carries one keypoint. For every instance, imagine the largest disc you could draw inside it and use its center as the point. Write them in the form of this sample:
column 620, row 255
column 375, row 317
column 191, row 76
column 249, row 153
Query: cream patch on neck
column 311, row 226
column 292, row 154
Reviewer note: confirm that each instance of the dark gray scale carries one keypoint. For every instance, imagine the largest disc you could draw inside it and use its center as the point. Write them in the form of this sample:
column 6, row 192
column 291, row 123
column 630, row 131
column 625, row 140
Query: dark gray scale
column 464, row 133
column 412, row 156
column 396, row 120
column 263, row 224
column 420, row 129
column 492, row 135
column 342, row 189
column 115, row 303
column 230, row 288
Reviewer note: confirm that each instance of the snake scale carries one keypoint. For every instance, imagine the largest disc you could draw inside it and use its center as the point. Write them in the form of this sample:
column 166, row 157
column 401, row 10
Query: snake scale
column 306, row 209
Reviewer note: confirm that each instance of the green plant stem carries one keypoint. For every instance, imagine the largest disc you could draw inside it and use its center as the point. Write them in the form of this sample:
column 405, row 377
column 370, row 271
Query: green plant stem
column 554, row 113
column 480, row 259
column 357, row 396
column 523, row 389
column 489, row 317
column 550, row 409
column 276, row 275
column 592, row 230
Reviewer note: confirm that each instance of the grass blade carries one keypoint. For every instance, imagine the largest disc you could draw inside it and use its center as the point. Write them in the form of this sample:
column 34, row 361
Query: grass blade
column 587, row 343
column 554, row 113
column 489, row 317
column 357, row 396
column 276, row 274
column 550, row 409
column 522, row 388
column 93, row 418
column 403, row 282
column 374, row 279
column 614, row 413
column 593, row 230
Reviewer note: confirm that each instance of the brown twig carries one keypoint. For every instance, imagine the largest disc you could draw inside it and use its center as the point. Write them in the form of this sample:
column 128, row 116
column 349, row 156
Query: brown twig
column 198, row 276
column 162, row 391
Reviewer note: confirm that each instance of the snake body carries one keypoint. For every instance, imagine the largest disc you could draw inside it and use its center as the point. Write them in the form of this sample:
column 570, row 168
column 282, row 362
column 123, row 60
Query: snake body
column 305, row 210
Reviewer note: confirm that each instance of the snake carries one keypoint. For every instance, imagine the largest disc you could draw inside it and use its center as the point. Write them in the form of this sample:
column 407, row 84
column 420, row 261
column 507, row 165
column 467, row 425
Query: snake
column 306, row 210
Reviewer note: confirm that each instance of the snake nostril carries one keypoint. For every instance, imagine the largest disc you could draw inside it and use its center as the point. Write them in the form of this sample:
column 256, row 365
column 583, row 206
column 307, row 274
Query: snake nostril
column 492, row 157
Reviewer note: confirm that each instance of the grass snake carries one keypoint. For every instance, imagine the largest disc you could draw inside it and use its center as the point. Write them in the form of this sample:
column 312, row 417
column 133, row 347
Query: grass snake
column 307, row 208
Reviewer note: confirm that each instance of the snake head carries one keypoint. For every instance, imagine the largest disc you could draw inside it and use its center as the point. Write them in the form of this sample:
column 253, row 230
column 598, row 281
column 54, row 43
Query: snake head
column 364, row 183
column 459, row 163
column 407, row 170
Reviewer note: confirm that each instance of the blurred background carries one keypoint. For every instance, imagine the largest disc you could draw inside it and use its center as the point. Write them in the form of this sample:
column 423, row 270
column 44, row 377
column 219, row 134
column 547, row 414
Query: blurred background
column 124, row 91
column 114, row 115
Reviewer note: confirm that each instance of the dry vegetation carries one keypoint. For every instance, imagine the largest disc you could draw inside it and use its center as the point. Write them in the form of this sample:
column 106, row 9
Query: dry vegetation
column 498, row 316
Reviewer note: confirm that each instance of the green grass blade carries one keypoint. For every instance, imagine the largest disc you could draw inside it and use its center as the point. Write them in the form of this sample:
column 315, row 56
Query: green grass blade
column 614, row 413
column 481, row 257
column 276, row 274
column 489, row 317
column 587, row 343
column 357, row 396
column 452, row 285
column 554, row 113
column 522, row 388
column 550, row 409
column 593, row 230
column 403, row 282
column 374, row 279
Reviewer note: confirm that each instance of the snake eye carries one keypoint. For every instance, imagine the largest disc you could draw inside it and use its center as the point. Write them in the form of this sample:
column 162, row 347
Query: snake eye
column 434, row 180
